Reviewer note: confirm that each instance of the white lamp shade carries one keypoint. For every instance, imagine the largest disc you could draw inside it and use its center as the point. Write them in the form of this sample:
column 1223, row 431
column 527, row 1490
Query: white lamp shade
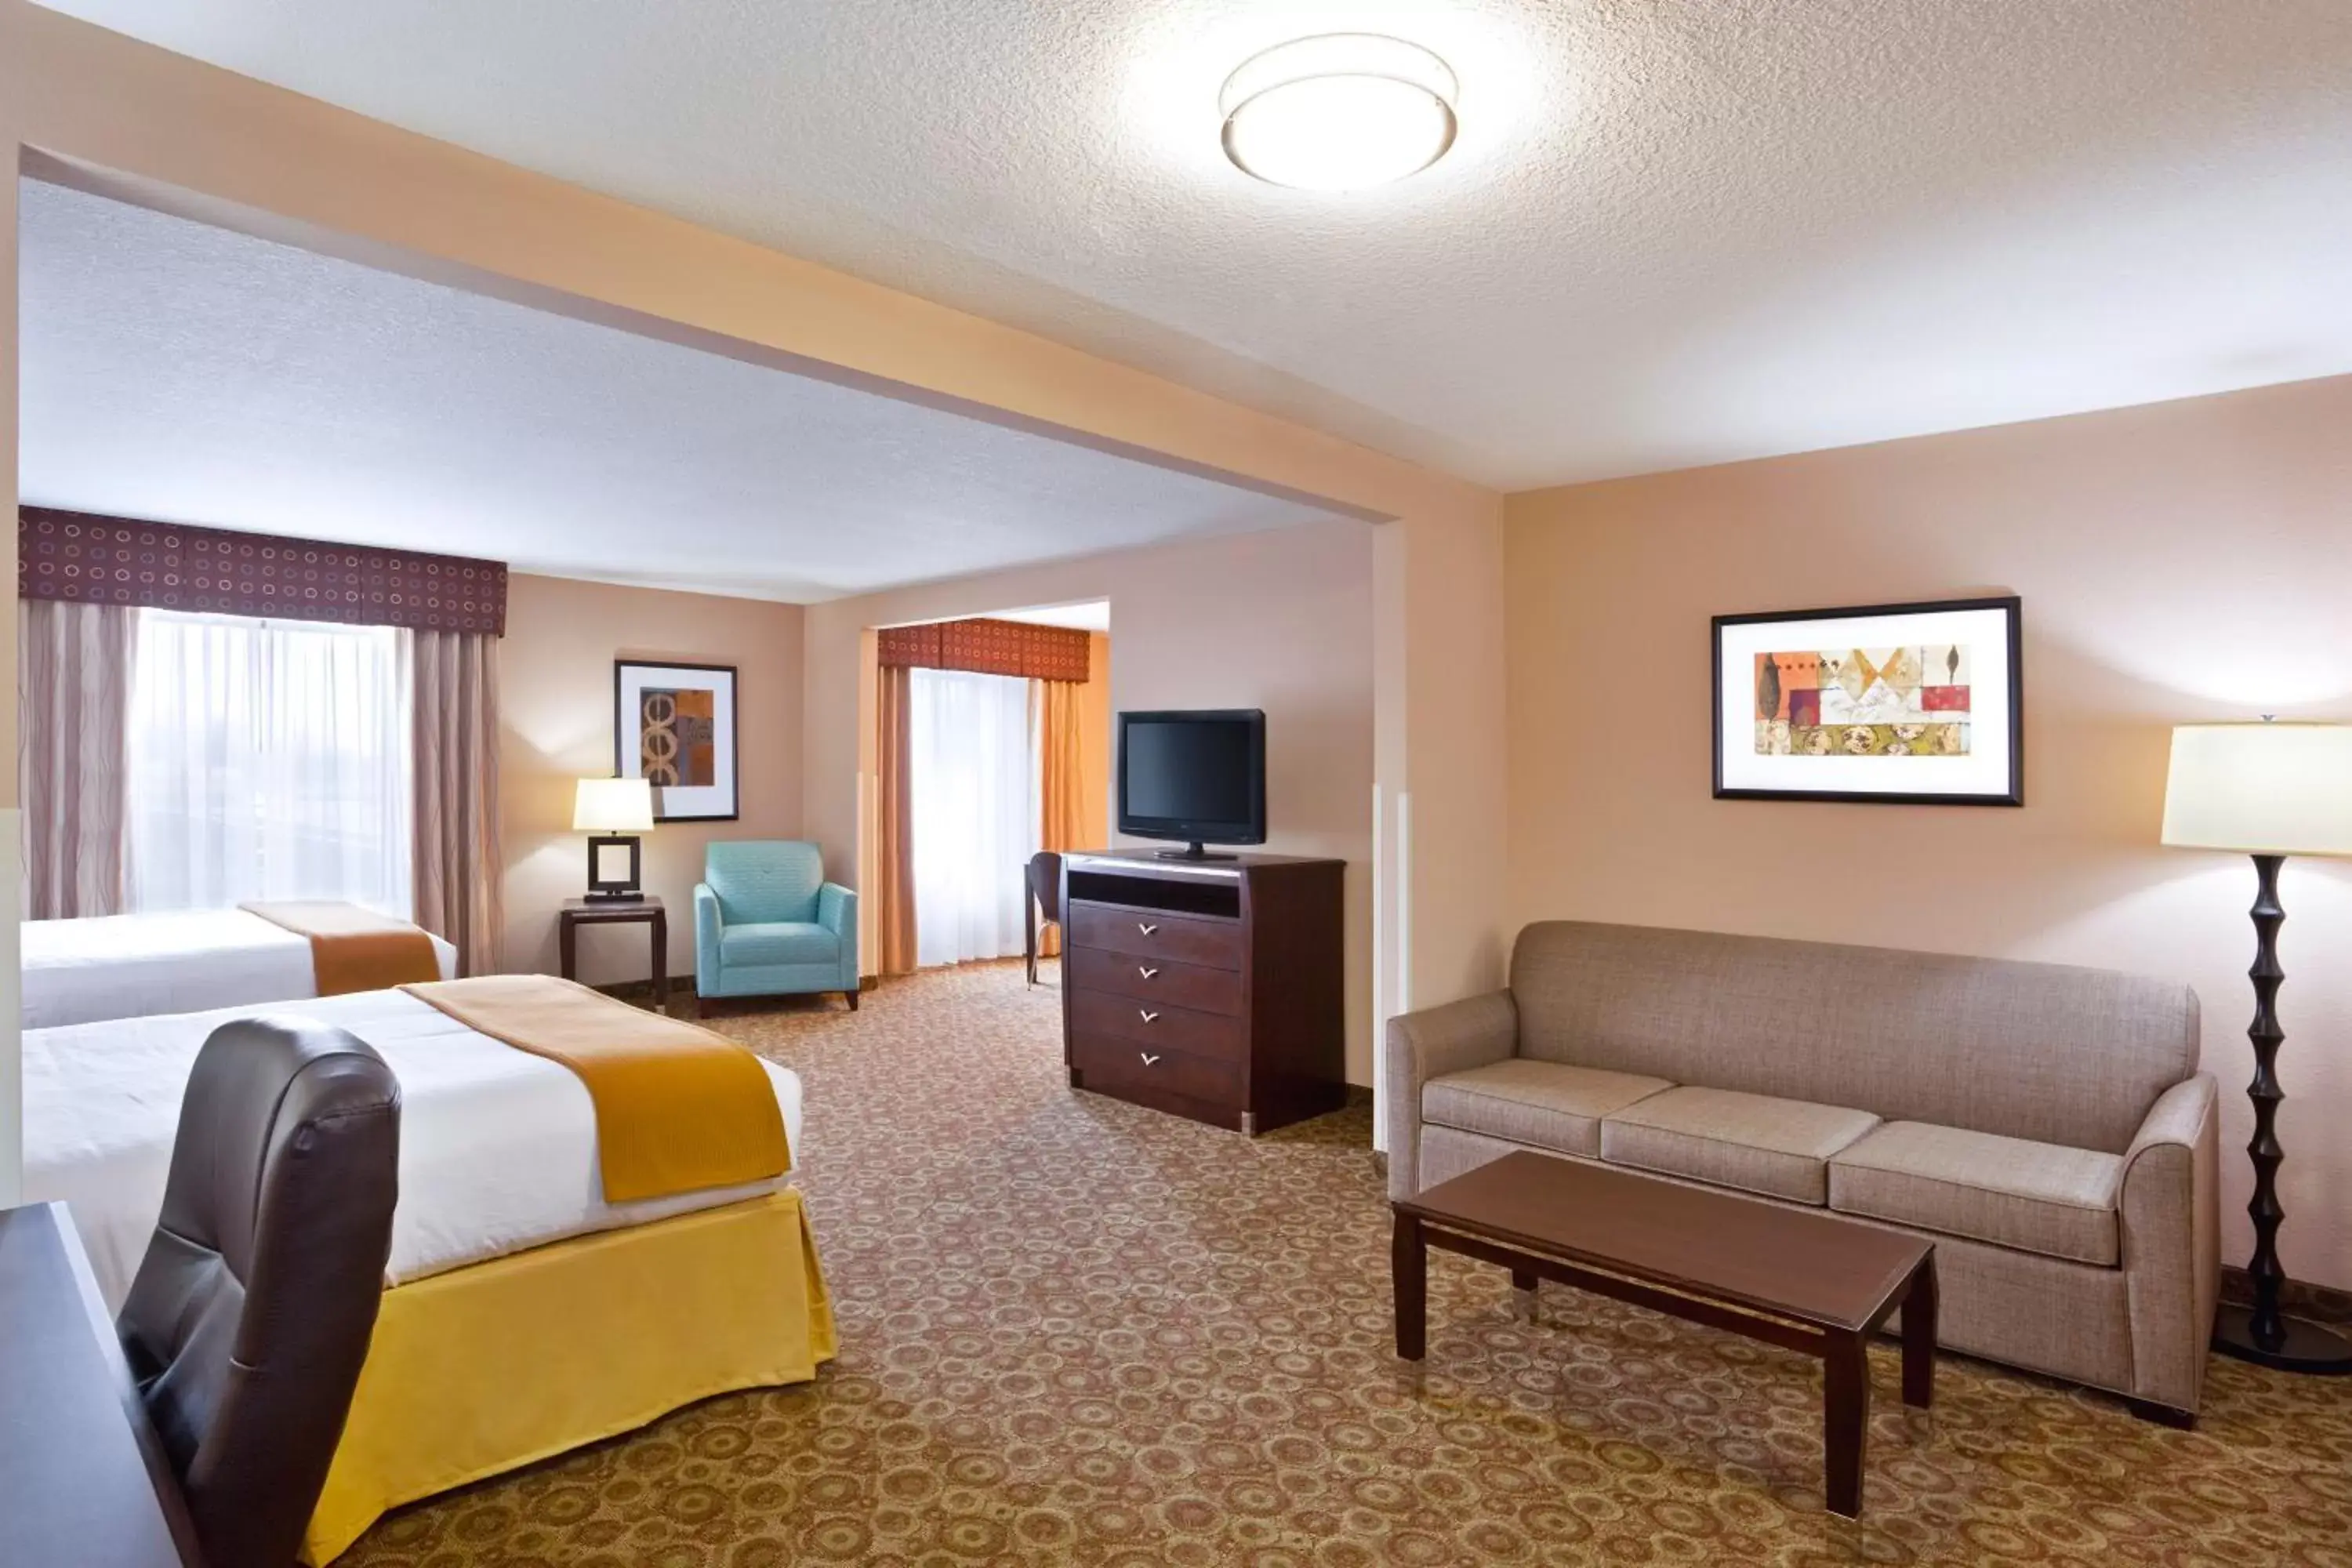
column 2261, row 789
column 612, row 805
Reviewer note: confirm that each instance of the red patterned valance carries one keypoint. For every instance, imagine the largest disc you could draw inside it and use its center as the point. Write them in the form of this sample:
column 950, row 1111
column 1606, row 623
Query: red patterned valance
column 161, row 565
column 988, row 647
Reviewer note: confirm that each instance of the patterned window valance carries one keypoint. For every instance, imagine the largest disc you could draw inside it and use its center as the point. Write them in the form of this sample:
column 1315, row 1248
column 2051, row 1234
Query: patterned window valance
column 988, row 647
column 161, row 565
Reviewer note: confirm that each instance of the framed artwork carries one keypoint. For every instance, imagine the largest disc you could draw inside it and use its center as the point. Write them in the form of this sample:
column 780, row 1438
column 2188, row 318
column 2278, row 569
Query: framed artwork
column 1913, row 704
column 674, row 727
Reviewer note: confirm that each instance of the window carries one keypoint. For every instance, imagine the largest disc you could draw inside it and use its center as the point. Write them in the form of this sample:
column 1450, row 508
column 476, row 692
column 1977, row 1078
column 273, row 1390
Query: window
column 268, row 760
column 973, row 774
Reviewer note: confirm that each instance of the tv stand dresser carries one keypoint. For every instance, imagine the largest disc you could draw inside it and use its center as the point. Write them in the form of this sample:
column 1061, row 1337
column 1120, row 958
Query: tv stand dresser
column 1209, row 989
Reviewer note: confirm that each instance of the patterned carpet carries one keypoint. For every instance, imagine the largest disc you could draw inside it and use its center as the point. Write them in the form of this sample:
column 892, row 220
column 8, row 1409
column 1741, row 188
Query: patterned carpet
column 1074, row 1331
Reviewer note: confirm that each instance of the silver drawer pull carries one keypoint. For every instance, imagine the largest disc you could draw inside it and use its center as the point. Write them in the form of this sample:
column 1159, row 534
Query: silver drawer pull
column 1146, row 929
column 1149, row 1015
column 1147, row 973
column 1148, row 1059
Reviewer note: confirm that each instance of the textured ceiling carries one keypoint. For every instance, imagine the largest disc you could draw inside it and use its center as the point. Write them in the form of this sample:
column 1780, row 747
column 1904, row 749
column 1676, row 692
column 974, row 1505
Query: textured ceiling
column 1673, row 231
column 178, row 371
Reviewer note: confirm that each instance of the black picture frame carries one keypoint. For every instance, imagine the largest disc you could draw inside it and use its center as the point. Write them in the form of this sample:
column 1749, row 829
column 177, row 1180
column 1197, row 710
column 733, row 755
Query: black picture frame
column 2012, row 610
column 627, row 763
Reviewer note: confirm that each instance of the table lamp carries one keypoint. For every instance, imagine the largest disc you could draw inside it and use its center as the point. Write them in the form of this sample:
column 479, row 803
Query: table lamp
column 2268, row 790
column 613, row 812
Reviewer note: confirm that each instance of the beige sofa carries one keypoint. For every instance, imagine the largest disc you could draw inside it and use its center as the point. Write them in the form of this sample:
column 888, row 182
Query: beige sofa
column 2046, row 1126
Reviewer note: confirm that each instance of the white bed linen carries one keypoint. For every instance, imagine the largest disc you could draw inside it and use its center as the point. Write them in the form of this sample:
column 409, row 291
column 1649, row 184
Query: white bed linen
column 498, row 1147
column 190, row 961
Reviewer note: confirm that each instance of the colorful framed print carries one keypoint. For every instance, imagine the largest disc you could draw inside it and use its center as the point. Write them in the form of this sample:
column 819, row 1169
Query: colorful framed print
column 1911, row 704
column 674, row 726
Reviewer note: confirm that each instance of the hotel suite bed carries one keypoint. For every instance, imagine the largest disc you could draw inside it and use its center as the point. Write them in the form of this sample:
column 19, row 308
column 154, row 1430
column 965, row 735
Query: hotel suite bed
column 187, row 960
column 523, row 1315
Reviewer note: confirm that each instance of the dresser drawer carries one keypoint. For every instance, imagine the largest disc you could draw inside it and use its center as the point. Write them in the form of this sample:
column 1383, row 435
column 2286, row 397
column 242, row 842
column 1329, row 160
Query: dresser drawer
column 1155, row 980
column 1109, row 1065
column 1099, row 1015
column 1147, row 933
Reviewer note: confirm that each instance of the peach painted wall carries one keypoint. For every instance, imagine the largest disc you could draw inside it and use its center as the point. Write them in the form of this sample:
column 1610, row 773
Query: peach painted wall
column 555, row 675
column 1281, row 621
column 2179, row 562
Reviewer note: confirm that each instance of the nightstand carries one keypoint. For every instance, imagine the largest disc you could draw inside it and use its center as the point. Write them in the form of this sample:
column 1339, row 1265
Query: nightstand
column 648, row 909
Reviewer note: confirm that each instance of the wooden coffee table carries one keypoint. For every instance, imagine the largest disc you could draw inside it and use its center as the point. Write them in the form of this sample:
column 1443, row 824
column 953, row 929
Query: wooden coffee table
column 1804, row 1280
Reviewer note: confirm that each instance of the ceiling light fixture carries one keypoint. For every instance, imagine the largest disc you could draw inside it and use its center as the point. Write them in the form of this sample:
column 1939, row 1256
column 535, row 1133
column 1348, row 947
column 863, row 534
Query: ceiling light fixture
column 1342, row 111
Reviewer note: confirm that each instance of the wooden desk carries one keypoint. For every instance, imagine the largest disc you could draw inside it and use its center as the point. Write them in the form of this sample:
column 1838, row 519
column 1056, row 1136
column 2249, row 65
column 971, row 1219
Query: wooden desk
column 83, row 1477
column 577, row 913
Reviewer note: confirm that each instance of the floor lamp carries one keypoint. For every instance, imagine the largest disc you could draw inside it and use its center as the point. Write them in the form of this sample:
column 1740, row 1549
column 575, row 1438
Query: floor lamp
column 2268, row 790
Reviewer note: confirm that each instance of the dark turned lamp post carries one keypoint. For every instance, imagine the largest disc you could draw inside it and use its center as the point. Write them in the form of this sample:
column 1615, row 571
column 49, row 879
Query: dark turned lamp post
column 2268, row 790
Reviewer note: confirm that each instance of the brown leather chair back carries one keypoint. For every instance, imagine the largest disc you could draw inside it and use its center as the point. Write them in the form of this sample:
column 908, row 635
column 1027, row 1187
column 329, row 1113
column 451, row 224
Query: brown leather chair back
column 1045, row 882
column 251, row 1312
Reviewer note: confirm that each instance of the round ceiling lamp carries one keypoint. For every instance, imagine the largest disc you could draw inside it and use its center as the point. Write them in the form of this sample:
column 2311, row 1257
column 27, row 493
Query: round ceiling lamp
column 1342, row 111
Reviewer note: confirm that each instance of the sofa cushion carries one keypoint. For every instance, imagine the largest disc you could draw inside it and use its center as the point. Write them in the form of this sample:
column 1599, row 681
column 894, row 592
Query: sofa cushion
column 1546, row 1105
column 2036, row 1197
column 775, row 943
column 1776, row 1147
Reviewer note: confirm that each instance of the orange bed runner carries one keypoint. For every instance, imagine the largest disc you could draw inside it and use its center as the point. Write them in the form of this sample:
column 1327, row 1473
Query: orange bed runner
column 678, row 1109
column 353, row 949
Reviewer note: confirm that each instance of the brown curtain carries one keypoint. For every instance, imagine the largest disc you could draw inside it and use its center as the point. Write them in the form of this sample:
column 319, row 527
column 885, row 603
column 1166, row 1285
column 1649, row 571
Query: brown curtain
column 73, row 663
column 453, row 680
column 894, row 826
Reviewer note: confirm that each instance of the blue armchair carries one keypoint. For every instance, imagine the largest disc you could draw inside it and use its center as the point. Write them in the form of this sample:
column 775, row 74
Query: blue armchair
column 767, row 924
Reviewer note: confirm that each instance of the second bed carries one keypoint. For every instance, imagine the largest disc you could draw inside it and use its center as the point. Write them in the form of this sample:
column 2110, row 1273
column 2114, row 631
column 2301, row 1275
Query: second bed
column 181, row 961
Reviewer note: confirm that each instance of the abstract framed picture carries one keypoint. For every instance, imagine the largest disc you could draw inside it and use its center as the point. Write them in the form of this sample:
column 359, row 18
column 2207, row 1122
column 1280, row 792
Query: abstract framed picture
column 1907, row 704
column 674, row 727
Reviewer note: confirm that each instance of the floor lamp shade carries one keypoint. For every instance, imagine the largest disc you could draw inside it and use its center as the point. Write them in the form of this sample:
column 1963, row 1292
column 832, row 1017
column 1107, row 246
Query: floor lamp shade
column 2269, row 791
column 2261, row 789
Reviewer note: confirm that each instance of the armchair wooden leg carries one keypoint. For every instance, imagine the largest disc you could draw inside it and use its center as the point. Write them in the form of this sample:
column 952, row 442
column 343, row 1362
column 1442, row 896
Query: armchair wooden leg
column 851, row 995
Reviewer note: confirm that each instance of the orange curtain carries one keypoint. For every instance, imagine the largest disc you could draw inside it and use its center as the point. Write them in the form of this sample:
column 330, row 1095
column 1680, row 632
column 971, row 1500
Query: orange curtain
column 1066, row 822
column 1061, row 768
column 894, row 904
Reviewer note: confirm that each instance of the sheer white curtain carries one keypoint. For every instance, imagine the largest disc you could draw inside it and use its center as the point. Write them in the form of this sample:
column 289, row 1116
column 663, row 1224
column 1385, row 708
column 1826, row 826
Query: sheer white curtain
column 267, row 760
column 973, row 774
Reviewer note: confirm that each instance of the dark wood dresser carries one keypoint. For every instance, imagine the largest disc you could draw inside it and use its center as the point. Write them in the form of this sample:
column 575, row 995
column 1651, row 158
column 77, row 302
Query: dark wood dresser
column 1209, row 989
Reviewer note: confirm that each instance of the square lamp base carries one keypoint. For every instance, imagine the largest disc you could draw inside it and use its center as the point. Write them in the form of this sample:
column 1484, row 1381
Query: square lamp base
column 614, row 863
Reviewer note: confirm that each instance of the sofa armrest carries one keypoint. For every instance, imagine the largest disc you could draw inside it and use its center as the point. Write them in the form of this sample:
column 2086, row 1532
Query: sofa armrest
column 1459, row 1036
column 2169, row 1217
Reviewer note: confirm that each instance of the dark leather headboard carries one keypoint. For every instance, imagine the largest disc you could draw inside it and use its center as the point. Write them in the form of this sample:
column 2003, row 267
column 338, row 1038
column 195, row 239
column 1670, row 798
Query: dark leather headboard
column 250, row 1316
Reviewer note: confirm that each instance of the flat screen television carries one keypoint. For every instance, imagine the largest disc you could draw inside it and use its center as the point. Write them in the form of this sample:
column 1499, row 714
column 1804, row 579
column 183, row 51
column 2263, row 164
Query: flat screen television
column 1198, row 776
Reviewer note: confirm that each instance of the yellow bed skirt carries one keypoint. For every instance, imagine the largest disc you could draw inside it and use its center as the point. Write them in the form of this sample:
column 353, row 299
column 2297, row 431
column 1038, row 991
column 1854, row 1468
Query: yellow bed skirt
column 487, row 1368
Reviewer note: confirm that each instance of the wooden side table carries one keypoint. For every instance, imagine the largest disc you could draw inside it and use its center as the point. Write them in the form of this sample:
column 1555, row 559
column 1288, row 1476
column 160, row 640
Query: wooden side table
column 577, row 913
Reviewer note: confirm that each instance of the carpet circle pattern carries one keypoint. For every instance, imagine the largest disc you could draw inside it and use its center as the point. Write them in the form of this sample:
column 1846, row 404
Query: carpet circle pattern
column 1078, row 1332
